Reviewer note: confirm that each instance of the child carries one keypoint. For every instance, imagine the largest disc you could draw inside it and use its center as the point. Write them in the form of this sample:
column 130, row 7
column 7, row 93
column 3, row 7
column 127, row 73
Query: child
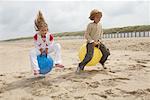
column 93, row 36
column 44, row 43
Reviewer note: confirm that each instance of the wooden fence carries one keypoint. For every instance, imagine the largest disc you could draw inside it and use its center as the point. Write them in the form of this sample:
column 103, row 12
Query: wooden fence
column 127, row 35
column 112, row 35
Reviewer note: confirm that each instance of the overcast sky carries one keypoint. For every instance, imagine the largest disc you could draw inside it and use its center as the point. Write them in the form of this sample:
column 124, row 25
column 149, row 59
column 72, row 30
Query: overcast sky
column 17, row 18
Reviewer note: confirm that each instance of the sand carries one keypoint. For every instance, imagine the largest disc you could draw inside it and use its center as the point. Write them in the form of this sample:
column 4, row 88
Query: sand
column 127, row 76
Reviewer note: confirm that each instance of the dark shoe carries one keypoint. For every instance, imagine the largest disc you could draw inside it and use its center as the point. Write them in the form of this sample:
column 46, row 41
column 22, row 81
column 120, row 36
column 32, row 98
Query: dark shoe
column 104, row 66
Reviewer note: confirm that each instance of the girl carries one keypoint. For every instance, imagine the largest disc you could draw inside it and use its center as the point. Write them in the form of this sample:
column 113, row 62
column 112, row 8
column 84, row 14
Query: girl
column 44, row 43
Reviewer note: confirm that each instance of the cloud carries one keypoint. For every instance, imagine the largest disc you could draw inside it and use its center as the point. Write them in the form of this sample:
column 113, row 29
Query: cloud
column 17, row 17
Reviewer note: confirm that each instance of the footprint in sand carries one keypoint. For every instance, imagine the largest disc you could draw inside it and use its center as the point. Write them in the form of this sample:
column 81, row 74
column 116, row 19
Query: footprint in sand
column 93, row 84
column 138, row 92
column 116, row 92
column 136, row 67
column 2, row 82
column 108, row 82
column 2, row 89
column 118, row 59
column 148, row 89
column 99, row 94
column 65, row 96
column 68, row 69
column 2, row 74
column 110, row 92
column 126, row 55
column 27, row 98
column 142, row 61
column 75, row 80
column 78, row 97
column 121, row 78
column 113, row 81
column 19, row 76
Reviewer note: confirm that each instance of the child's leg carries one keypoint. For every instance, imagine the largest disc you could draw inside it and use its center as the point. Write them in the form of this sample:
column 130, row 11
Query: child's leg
column 33, row 58
column 56, row 47
column 88, row 56
column 105, row 53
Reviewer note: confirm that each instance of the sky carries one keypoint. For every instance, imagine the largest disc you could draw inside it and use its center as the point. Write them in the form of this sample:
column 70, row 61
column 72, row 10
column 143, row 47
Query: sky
column 17, row 17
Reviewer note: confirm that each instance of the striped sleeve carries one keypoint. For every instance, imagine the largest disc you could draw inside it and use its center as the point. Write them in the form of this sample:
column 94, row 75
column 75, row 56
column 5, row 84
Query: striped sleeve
column 50, row 40
column 51, row 37
column 36, row 42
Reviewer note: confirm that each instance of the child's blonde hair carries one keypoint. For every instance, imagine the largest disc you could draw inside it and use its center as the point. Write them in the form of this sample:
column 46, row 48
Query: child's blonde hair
column 93, row 13
column 40, row 22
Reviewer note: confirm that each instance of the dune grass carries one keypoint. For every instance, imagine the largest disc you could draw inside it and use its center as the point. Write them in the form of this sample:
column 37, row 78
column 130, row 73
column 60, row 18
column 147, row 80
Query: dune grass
column 137, row 28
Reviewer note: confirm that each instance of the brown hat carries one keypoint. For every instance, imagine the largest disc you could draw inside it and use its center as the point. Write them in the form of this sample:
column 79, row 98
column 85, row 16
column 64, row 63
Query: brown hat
column 93, row 13
column 40, row 22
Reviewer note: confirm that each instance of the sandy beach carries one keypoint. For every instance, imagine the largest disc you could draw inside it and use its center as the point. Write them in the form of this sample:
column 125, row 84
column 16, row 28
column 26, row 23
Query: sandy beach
column 127, row 76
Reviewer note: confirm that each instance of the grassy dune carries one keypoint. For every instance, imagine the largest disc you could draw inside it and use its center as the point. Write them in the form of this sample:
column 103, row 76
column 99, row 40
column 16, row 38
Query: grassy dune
column 138, row 28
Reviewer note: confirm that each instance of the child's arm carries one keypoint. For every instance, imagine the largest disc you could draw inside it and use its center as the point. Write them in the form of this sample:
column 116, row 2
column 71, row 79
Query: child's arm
column 101, row 34
column 86, row 34
column 37, row 43
column 50, row 40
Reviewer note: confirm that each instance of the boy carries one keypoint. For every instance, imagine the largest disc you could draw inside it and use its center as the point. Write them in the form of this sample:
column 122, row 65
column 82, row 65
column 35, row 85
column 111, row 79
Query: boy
column 44, row 43
column 93, row 36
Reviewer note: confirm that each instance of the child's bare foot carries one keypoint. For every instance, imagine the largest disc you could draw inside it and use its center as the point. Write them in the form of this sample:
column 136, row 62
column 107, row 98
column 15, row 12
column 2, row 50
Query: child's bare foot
column 36, row 72
column 59, row 65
